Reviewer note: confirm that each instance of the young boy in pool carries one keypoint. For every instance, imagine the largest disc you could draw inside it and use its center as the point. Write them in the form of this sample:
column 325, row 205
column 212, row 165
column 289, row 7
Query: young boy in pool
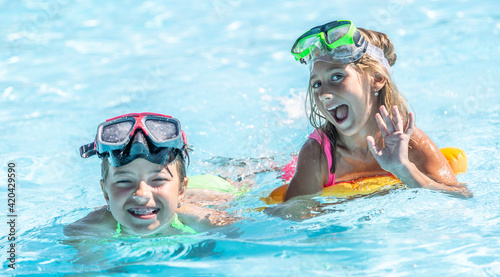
column 144, row 181
column 362, row 124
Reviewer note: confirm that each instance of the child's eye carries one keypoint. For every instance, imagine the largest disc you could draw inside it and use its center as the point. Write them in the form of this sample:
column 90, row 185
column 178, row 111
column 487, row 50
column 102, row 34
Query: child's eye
column 336, row 77
column 124, row 183
column 159, row 181
column 316, row 85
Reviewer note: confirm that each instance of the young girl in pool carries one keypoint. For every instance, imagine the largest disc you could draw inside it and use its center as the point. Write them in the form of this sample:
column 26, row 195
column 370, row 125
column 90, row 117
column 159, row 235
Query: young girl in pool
column 362, row 124
column 144, row 181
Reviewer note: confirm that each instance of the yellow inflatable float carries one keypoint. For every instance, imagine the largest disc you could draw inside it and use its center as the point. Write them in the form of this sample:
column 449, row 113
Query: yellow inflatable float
column 369, row 185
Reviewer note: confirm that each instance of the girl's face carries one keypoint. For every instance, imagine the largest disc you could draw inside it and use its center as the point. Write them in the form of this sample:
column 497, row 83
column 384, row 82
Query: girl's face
column 143, row 196
column 343, row 96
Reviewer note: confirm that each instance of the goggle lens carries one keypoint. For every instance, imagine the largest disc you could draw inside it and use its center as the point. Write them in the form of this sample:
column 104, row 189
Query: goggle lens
column 336, row 34
column 305, row 43
column 335, row 37
column 162, row 130
column 117, row 132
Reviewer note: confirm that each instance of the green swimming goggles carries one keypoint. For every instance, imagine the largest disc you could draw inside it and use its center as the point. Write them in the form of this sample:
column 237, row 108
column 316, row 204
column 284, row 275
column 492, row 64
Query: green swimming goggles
column 337, row 41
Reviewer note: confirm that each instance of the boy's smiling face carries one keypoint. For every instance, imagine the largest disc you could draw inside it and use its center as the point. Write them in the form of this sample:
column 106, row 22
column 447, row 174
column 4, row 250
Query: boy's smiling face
column 143, row 196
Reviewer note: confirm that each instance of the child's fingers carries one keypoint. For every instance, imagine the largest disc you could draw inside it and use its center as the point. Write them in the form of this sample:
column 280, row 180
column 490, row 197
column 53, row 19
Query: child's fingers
column 381, row 125
column 411, row 124
column 388, row 121
column 372, row 145
column 397, row 118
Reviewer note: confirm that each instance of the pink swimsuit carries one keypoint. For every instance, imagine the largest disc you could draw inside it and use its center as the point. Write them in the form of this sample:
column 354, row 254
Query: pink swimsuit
column 289, row 169
column 328, row 152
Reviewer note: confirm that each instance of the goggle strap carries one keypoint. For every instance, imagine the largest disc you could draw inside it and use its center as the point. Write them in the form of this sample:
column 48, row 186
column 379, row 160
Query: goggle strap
column 378, row 54
column 184, row 137
column 88, row 150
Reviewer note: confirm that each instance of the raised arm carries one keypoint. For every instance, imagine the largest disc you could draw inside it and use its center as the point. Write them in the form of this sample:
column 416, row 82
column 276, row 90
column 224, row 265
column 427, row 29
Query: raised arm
column 411, row 155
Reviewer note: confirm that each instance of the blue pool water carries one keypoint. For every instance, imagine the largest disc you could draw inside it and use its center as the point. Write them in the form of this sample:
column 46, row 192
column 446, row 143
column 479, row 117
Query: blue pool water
column 223, row 68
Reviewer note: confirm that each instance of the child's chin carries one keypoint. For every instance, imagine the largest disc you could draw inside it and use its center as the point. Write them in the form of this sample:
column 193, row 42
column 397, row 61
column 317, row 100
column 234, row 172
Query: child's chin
column 146, row 230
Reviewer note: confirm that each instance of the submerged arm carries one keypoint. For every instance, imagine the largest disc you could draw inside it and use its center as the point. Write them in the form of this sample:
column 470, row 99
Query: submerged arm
column 203, row 219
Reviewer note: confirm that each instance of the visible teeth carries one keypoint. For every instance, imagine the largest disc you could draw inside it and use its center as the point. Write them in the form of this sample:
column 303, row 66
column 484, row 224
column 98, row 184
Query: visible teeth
column 143, row 211
column 334, row 107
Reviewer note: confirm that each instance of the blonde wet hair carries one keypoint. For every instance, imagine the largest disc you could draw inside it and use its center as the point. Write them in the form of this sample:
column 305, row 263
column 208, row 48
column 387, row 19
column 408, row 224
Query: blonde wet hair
column 389, row 96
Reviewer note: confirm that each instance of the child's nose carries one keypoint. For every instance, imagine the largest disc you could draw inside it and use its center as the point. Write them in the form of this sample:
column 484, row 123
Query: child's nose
column 325, row 93
column 142, row 194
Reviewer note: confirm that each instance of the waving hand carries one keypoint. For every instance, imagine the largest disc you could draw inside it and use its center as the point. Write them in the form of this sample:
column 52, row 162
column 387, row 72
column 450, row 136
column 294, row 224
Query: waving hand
column 394, row 153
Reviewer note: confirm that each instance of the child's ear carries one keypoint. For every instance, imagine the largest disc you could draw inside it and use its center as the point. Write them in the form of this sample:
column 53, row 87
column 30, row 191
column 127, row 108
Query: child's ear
column 182, row 188
column 378, row 82
column 104, row 191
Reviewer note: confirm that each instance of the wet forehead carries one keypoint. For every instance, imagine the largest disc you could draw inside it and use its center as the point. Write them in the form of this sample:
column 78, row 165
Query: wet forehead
column 321, row 67
column 140, row 166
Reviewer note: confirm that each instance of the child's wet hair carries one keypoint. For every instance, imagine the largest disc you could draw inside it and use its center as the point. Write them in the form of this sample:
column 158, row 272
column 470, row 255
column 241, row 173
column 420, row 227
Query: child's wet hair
column 383, row 42
column 389, row 95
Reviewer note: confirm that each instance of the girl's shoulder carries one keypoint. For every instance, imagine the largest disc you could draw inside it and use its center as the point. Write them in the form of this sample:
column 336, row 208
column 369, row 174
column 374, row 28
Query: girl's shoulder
column 421, row 145
column 427, row 157
column 313, row 155
column 315, row 143
column 311, row 172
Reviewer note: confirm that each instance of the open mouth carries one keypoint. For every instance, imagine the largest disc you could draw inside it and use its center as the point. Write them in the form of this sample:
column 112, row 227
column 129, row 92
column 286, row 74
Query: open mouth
column 143, row 212
column 339, row 113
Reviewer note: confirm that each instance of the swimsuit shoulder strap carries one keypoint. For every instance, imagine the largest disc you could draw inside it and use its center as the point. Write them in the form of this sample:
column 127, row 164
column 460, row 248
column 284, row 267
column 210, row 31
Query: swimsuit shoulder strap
column 323, row 140
column 176, row 223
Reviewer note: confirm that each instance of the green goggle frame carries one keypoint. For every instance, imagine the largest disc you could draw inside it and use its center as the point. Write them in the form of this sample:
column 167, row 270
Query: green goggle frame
column 336, row 41
column 323, row 33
